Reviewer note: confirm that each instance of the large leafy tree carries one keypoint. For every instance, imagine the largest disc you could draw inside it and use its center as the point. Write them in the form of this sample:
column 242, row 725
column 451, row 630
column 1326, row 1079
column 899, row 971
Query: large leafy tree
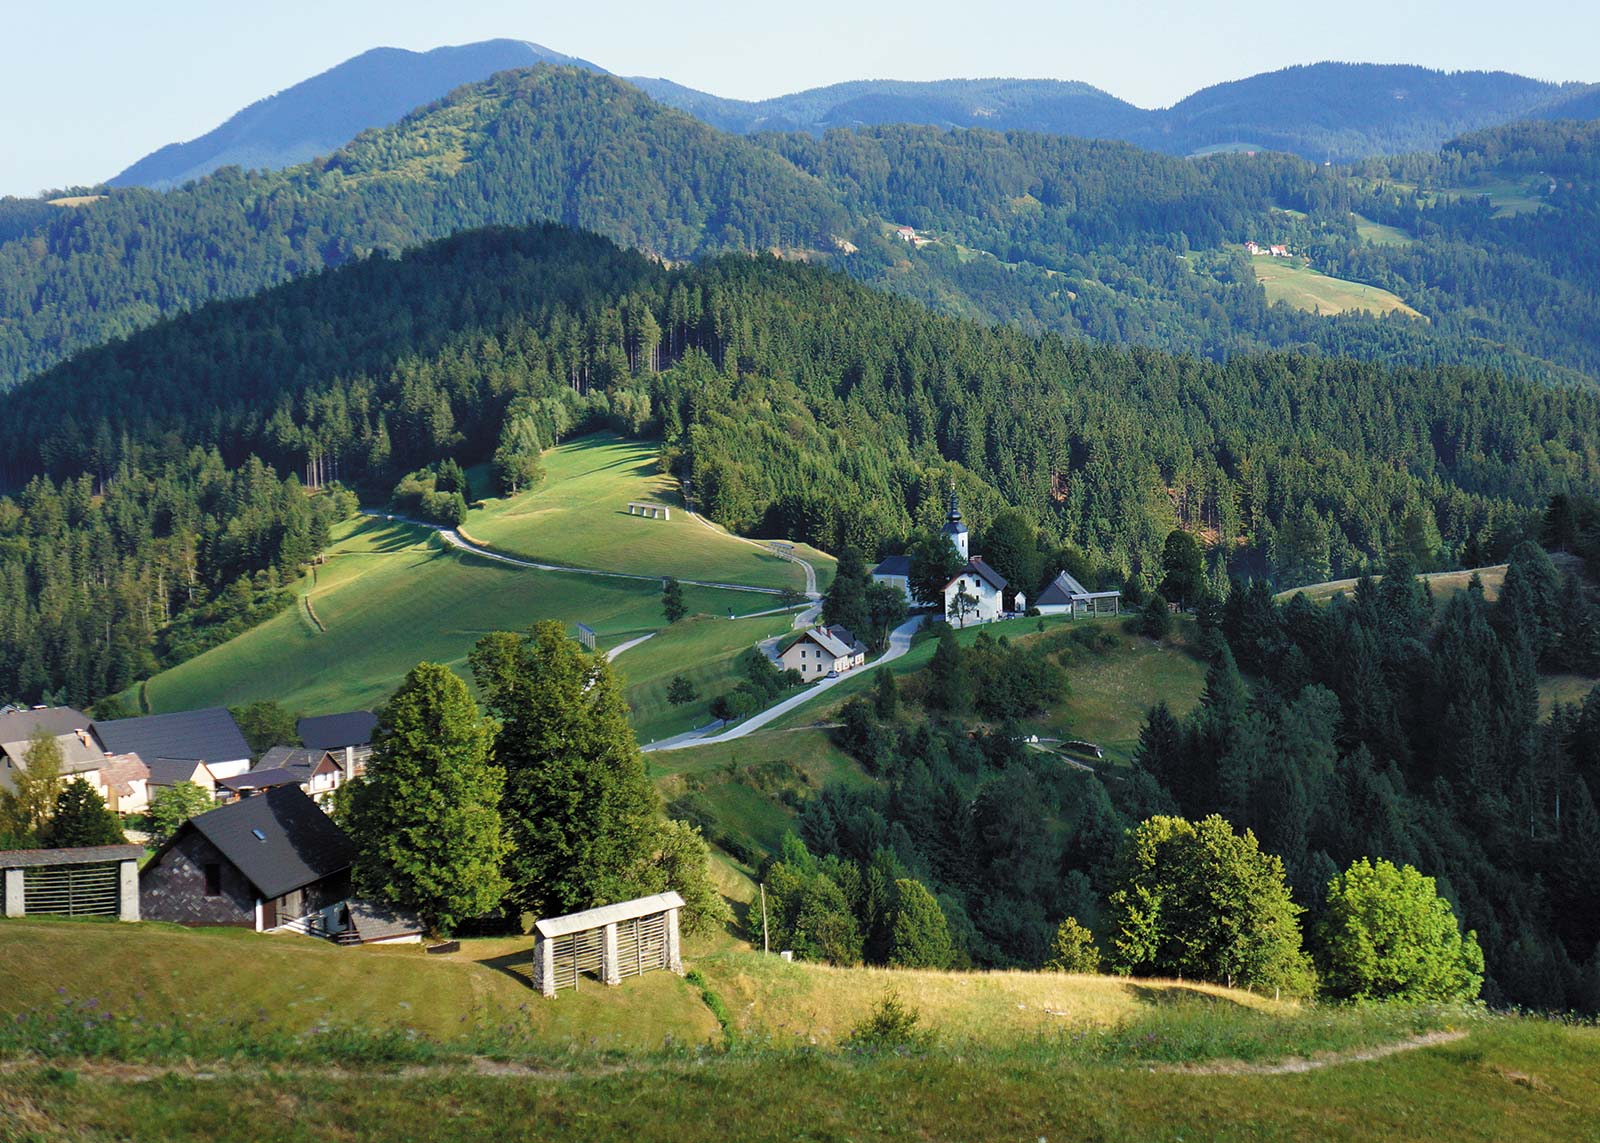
column 1387, row 934
column 26, row 808
column 174, row 805
column 82, row 818
column 919, row 935
column 1201, row 901
column 581, row 814
column 426, row 818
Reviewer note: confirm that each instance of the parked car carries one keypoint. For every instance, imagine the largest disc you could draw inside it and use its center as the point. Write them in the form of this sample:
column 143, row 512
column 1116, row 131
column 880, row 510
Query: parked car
column 832, row 675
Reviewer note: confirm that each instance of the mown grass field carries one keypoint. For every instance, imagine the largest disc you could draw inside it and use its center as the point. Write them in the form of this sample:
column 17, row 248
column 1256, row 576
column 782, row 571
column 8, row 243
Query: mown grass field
column 1442, row 584
column 1006, row 1056
column 390, row 595
column 1286, row 280
column 578, row 516
column 1379, row 234
column 703, row 649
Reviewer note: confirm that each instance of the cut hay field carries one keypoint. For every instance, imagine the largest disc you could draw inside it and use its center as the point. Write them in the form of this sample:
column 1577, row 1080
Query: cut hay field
column 389, row 595
column 1286, row 280
column 1379, row 234
column 578, row 516
column 1442, row 584
column 1003, row 1056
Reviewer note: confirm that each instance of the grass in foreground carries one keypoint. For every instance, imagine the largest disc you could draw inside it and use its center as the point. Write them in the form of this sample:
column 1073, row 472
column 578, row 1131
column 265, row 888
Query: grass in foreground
column 390, row 595
column 579, row 516
column 1285, row 280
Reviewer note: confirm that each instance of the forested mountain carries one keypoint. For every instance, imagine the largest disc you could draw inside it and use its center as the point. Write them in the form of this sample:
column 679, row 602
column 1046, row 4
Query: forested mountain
column 796, row 401
column 546, row 143
column 1074, row 236
column 321, row 114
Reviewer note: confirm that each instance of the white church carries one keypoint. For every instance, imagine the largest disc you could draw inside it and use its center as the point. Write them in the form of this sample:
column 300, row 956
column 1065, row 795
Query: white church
column 975, row 594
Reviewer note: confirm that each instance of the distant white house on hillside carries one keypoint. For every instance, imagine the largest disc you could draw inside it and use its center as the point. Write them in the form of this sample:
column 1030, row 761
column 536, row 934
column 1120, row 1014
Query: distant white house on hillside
column 823, row 649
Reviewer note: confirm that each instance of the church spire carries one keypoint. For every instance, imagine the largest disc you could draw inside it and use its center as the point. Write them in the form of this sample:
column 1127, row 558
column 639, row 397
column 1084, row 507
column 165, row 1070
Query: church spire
column 954, row 530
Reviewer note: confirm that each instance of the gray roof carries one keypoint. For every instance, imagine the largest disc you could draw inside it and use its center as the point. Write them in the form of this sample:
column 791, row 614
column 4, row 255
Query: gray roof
column 261, row 780
column 296, row 759
column 375, row 922
column 1061, row 590
column 83, row 855
column 893, row 565
column 171, row 771
column 19, row 725
column 278, row 839
column 209, row 735
column 976, row 567
column 837, row 641
column 336, row 731
column 608, row 914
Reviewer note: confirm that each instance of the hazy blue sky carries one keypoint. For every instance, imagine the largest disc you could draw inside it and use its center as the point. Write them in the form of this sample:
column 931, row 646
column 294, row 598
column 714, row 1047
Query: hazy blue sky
column 90, row 86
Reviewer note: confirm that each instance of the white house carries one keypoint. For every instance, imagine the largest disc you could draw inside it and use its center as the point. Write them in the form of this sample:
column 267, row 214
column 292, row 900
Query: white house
column 975, row 595
column 823, row 649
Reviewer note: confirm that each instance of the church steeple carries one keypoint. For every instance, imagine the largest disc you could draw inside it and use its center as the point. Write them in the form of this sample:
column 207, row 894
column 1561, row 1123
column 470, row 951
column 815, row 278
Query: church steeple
column 954, row 530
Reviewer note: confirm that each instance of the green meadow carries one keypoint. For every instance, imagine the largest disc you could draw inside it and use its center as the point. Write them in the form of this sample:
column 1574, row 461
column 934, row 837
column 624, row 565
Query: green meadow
column 579, row 516
column 1286, row 280
column 390, row 595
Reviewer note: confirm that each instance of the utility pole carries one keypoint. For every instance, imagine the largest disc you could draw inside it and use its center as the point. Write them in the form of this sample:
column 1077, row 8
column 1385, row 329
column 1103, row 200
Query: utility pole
column 764, row 946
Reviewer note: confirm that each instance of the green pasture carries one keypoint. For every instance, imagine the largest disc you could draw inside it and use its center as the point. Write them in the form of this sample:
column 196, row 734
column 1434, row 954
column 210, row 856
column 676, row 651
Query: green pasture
column 390, row 595
column 1442, row 584
column 1379, row 234
column 1287, row 280
column 578, row 516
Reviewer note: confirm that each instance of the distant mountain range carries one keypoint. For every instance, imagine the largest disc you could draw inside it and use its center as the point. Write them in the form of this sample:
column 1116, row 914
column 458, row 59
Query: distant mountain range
column 1320, row 111
column 323, row 113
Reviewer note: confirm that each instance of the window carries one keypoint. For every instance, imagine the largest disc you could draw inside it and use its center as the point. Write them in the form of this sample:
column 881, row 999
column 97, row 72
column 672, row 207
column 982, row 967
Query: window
column 213, row 879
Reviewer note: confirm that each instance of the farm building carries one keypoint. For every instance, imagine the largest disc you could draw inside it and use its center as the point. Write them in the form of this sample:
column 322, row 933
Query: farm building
column 822, row 649
column 1066, row 596
column 120, row 778
column 165, row 772
column 895, row 571
column 626, row 939
column 92, row 881
column 267, row 861
column 210, row 736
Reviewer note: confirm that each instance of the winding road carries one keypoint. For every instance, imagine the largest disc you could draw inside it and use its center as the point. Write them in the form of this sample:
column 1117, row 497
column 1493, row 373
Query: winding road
column 899, row 644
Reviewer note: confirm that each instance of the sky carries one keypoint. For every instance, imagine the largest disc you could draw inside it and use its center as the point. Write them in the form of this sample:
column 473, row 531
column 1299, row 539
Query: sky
column 91, row 86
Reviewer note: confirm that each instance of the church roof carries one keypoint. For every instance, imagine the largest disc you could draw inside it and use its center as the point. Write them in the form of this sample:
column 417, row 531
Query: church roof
column 894, row 565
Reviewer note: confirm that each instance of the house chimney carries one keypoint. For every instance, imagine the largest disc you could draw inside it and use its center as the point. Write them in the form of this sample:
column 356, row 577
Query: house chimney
column 349, row 763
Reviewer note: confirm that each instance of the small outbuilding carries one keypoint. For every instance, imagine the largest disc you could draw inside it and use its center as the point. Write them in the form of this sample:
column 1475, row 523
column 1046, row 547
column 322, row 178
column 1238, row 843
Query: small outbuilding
column 90, row 881
column 608, row 943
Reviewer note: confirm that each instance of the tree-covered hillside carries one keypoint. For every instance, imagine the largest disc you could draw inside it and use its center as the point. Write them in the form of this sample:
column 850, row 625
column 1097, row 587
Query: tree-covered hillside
column 794, row 401
column 544, row 144
column 1051, row 233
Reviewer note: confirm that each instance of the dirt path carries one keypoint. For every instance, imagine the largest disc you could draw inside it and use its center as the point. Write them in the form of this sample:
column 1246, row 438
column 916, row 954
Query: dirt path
column 1315, row 1063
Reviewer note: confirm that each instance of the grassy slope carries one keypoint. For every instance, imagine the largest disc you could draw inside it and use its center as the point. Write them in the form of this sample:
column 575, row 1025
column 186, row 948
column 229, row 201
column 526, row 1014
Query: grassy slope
column 1015, row 1057
column 703, row 649
column 1380, row 234
column 753, row 783
column 1285, row 280
column 579, row 516
column 1442, row 584
column 390, row 595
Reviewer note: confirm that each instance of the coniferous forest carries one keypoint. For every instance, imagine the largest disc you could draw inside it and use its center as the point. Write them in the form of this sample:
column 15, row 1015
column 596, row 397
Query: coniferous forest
column 795, row 401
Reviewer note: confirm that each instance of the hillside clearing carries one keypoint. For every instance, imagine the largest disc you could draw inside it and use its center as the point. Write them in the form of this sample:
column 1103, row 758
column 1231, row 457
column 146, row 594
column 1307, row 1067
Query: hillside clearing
column 1442, row 584
column 390, row 595
column 579, row 516
column 1288, row 281
column 1380, row 234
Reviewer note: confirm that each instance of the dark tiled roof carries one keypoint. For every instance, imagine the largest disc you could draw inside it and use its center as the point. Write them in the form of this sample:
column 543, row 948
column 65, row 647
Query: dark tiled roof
column 375, row 922
column 336, row 731
column 85, row 855
column 298, row 843
column 261, row 780
column 847, row 637
column 296, row 758
column 171, row 771
column 893, row 565
column 209, row 735
column 976, row 567
column 1061, row 590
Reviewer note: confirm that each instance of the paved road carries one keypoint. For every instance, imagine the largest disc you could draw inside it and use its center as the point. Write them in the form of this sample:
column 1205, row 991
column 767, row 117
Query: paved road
column 612, row 654
column 456, row 540
column 899, row 644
